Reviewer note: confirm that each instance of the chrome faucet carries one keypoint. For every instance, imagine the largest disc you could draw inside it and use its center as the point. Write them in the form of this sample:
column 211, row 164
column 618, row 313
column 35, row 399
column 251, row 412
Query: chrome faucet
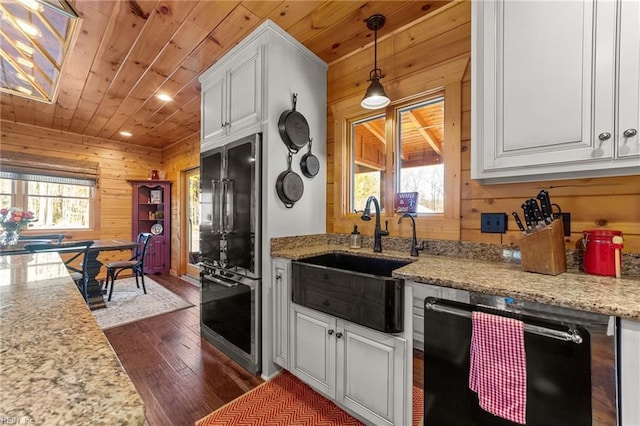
column 378, row 233
column 414, row 241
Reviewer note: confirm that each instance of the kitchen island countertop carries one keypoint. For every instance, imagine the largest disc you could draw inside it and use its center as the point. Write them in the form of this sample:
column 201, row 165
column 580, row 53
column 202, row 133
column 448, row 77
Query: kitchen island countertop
column 577, row 290
column 56, row 365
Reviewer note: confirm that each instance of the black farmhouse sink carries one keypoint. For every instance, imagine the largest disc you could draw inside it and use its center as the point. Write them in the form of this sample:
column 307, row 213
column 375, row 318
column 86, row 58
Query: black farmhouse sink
column 359, row 289
column 354, row 263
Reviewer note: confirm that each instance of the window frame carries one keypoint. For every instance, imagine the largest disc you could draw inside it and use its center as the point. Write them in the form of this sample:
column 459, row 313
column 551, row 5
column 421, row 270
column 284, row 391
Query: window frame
column 391, row 176
column 20, row 199
column 447, row 79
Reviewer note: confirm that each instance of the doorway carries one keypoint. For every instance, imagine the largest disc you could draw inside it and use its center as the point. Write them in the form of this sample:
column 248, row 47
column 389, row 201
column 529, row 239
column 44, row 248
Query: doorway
column 190, row 248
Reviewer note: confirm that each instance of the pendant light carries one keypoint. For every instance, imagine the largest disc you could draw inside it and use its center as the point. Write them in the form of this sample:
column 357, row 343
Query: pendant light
column 375, row 96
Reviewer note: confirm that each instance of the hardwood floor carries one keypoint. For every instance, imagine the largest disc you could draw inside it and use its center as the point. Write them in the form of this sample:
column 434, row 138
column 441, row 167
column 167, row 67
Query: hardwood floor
column 181, row 377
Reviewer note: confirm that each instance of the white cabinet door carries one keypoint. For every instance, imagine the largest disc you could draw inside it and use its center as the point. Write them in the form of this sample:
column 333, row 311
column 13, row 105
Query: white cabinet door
column 543, row 96
column 245, row 90
column 629, row 373
column 281, row 302
column 370, row 368
column 213, row 106
column 629, row 82
column 313, row 349
column 232, row 95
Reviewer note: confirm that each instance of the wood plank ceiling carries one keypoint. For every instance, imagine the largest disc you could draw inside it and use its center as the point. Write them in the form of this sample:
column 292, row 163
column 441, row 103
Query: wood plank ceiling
column 129, row 51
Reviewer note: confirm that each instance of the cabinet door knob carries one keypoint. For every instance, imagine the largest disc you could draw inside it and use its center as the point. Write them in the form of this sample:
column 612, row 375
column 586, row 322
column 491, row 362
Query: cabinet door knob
column 330, row 332
column 629, row 133
column 604, row 136
column 338, row 335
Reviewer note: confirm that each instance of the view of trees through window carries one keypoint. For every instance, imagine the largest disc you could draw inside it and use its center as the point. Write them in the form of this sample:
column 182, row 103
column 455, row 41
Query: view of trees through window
column 55, row 206
column 421, row 165
column 368, row 160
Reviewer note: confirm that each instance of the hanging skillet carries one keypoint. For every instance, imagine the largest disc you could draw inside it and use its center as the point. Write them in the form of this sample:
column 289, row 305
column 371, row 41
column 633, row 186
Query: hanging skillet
column 293, row 127
column 289, row 185
column 309, row 164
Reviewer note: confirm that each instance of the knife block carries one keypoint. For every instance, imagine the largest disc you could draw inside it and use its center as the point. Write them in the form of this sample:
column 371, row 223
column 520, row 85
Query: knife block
column 543, row 250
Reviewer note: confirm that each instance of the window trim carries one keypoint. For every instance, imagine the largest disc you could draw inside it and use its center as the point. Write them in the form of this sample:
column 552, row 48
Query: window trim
column 20, row 198
column 447, row 78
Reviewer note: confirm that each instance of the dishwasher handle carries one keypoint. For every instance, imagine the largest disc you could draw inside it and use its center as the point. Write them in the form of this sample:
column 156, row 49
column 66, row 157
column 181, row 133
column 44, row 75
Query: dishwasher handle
column 571, row 335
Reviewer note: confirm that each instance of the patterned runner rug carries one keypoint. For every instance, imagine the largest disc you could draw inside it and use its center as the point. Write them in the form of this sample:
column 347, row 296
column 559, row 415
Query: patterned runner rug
column 285, row 400
column 129, row 303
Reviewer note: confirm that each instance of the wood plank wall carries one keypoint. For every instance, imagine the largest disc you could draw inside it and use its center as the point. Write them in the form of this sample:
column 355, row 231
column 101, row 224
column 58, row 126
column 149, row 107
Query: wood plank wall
column 118, row 162
column 607, row 203
column 177, row 158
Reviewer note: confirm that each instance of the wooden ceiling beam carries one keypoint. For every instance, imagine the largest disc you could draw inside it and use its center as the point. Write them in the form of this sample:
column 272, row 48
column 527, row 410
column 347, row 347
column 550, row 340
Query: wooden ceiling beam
column 426, row 135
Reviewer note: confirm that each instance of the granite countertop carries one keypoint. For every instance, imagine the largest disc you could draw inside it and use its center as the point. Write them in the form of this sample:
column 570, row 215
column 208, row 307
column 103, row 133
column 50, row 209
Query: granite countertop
column 56, row 365
column 577, row 290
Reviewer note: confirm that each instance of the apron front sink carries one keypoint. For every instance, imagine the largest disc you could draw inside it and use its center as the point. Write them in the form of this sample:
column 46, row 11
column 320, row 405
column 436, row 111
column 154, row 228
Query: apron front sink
column 359, row 289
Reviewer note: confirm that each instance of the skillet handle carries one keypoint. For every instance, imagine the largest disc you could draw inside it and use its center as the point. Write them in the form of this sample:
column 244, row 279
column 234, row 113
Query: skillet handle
column 295, row 100
column 288, row 205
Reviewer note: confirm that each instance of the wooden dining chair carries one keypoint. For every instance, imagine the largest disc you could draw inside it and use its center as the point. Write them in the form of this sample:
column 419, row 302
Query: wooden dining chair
column 78, row 271
column 135, row 264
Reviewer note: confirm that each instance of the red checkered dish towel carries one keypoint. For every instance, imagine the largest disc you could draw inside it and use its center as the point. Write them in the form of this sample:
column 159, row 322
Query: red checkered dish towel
column 498, row 371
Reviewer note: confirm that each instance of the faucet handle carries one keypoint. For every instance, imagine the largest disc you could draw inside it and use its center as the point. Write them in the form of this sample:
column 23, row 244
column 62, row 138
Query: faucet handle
column 386, row 228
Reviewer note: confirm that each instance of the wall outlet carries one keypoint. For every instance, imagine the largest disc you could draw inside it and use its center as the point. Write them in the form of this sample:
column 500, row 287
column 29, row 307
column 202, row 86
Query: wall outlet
column 495, row 223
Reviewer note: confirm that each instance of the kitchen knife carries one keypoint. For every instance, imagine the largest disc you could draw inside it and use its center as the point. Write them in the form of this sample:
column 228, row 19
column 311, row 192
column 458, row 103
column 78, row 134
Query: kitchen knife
column 518, row 221
column 545, row 206
column 528, row 218
column 536, row 213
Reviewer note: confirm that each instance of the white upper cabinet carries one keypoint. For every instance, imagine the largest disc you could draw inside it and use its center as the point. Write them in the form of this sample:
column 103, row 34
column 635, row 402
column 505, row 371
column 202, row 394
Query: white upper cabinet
column 547, row 98
column 628, row 141
column 232, row 94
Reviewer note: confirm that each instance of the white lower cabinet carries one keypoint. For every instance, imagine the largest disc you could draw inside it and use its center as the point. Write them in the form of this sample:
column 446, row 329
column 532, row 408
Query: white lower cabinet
column 361, row 369
column 629, row 373
column 281, row 293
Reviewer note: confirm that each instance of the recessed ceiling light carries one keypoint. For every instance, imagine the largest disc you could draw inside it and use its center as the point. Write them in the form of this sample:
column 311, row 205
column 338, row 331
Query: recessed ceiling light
column 27, row 63
column 126, row 134
column 164, row 97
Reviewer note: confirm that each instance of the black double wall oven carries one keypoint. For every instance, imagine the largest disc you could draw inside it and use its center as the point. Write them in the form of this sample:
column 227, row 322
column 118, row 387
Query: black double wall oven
column 230, row 250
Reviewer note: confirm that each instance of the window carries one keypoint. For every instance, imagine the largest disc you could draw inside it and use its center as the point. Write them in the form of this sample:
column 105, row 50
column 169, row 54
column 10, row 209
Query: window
column 421, row 159
column 408, row 158
column 368, row 156
column 60, row 192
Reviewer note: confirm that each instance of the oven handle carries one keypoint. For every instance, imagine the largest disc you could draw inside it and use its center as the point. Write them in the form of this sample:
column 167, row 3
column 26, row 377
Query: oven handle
column 572, row 335
column 219, row 281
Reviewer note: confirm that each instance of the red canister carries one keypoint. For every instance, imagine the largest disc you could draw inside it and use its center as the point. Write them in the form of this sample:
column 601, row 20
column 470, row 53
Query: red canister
column 600, row 252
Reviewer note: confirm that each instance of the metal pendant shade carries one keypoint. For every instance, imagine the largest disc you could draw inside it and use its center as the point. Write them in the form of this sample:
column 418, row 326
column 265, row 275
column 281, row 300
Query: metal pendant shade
column 375, row 97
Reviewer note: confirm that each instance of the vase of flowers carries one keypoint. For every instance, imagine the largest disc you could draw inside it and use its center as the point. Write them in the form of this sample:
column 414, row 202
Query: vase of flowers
column 12, row 220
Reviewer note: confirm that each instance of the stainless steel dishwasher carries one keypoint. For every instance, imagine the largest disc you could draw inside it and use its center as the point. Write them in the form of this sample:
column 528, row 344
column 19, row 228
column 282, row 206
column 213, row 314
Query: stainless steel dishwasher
column 571, row 363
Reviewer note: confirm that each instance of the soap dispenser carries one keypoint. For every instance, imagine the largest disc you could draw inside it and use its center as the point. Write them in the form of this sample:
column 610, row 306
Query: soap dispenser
column 355, row 240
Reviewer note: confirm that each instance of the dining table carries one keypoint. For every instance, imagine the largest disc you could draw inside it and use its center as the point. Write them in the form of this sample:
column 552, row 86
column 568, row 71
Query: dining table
column 95, row 296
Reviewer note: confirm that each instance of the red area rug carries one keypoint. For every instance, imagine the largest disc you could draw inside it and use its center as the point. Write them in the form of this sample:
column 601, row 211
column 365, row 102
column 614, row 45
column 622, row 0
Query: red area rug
column 285, row 400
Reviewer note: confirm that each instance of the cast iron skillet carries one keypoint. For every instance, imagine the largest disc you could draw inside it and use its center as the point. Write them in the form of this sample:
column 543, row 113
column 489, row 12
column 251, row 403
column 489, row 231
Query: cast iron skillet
column 293, row 127
column 309, row 164
column 289, row 185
